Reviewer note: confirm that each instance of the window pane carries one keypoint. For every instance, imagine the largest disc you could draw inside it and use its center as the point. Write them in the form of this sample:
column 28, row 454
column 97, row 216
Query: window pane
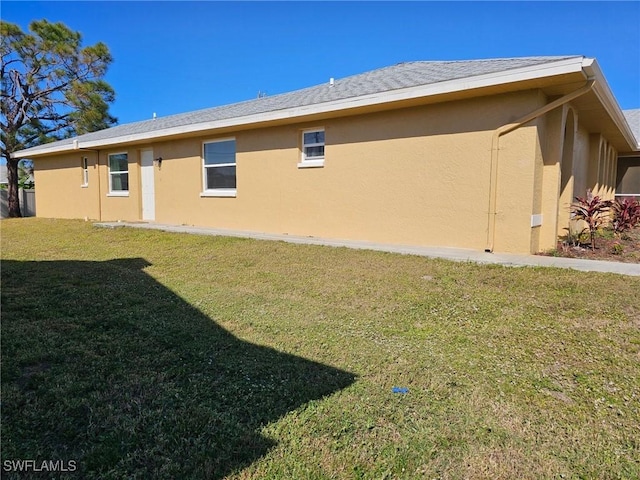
column 119, row 182
column 118, row 162
column 221, row 177
column 216, row 153
column 314, row 137
column 314, row 152
column 85, row 171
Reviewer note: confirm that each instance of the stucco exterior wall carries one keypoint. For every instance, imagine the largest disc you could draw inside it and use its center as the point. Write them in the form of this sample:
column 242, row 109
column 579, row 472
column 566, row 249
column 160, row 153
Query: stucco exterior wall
column 581, row 162
column 609, row 178
column 59, row 190
column 537, row 212
column 383, row 180
column 115, row 207
column 575, row 160
column 551, row 138
column 417, row 176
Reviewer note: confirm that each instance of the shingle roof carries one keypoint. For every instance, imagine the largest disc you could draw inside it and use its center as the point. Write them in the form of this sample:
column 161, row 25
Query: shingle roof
column 633, row 119
column 402, row 75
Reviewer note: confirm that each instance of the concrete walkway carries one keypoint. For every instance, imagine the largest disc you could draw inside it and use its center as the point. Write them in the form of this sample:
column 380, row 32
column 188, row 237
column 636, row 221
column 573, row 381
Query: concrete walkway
column 455, row 254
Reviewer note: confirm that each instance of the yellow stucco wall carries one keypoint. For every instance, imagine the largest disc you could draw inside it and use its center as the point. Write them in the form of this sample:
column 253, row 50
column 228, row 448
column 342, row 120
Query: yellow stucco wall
column 516, row 195
column 416, row 176
column 60, row 192
column 591, row 164
column 120, row 207
column 550, row 136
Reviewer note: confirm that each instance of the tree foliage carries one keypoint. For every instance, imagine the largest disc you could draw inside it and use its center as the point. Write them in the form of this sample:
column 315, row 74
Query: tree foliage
column 52, row 88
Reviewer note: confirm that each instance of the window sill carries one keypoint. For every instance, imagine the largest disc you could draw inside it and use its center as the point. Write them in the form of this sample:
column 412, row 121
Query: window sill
column 118, row 194
column 311, row 163
column 228, row 193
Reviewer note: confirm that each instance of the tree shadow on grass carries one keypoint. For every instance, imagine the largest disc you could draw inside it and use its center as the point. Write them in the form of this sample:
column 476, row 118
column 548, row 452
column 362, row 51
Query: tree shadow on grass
column 105, row 366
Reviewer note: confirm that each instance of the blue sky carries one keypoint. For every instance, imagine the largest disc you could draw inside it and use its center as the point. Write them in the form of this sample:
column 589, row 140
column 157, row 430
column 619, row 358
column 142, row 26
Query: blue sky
column 172, row 57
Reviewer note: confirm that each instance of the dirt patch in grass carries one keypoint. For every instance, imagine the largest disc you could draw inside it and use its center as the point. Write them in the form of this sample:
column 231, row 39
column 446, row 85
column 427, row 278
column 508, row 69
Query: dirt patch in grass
column 608, row 246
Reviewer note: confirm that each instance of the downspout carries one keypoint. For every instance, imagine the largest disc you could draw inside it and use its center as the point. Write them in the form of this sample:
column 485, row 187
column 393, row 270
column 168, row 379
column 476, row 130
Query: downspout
column 495, row 151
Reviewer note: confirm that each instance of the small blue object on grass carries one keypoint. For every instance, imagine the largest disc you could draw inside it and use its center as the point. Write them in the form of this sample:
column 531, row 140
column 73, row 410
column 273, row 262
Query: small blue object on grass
column 400, row 390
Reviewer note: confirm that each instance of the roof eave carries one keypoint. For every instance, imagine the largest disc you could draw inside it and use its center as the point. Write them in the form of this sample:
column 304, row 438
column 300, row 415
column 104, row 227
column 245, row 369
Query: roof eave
column 562, row 67
column 609, row 102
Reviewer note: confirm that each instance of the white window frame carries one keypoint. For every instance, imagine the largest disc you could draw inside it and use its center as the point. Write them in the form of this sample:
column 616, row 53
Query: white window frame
column 311, row 162
column 116, row 193
column 218, row 192
column 85, row 172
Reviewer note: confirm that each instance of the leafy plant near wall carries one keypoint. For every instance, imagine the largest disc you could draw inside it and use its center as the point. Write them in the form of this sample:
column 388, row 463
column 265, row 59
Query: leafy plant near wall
column 575, row 236
column 594, row 211
column 626, row 214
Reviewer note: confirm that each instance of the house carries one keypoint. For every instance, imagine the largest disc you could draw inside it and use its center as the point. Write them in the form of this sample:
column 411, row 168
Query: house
column 480, row 154
column 628, row 177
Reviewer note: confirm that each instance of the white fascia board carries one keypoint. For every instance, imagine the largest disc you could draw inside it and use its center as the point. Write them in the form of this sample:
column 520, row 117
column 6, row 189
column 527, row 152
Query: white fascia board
column 36, row 151
column 563, row 67
column 609, row 102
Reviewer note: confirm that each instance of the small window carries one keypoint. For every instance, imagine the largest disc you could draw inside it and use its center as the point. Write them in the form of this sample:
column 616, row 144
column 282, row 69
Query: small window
column 118, row 173
column 312, row 148
column 219, row 164
column 85, row 172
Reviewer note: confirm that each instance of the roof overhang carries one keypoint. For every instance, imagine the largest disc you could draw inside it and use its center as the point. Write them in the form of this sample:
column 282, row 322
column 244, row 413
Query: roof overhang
column 608, row 101
column 539, row 76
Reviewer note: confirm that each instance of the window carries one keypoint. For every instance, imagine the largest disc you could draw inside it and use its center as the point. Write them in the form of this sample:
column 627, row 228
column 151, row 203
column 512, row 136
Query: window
column 219, row 163
column 312, row 148
column 628, row 181
column 118, row 174
column 85, row 172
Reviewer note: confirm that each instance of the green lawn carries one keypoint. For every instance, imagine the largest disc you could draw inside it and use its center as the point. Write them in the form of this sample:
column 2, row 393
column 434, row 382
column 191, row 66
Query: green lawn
column 144, row 354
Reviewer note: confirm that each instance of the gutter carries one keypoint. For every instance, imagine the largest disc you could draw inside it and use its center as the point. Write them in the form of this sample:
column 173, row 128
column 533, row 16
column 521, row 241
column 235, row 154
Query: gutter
column 495, row 152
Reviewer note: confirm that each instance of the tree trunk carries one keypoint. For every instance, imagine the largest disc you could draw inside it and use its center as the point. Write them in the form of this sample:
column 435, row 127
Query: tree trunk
column 13, row 199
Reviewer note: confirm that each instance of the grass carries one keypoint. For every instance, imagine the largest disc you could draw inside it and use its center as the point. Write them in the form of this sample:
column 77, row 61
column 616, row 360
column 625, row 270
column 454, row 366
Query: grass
column 144, row 354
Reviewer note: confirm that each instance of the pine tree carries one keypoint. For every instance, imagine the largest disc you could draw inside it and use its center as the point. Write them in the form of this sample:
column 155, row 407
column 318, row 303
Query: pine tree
column 52, row 88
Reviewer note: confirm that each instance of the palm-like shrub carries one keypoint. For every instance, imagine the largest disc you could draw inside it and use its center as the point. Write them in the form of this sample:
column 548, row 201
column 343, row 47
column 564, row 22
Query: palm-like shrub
column 594, row 211
column 626, row 214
